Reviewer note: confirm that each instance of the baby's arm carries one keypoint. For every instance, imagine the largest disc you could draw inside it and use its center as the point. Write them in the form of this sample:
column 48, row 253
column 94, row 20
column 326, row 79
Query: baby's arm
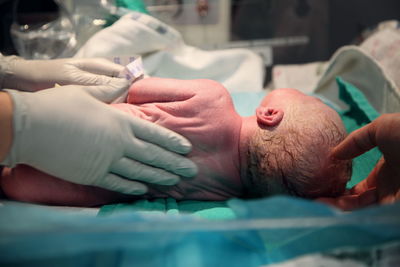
column 152, row 90
column 24, row 183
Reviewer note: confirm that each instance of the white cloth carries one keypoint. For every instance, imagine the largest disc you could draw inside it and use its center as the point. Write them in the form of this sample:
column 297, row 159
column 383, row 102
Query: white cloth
column 384, row 47
column 303, row 77
column 165, row 54
column 355, row 66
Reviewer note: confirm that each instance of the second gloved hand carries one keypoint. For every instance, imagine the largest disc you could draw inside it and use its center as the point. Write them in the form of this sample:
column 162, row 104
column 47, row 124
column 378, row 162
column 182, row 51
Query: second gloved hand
column 67, row 132
column 34, row 75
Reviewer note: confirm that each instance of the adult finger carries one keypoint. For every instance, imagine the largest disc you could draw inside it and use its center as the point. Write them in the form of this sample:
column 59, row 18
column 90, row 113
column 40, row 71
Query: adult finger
column 87, row 78
column 156, row 156
column 161, row 136
column 390, row 198
column 371, row 181
column 100, row 66
column 352, row 202
column 108, row 93
column 362, row 194
column 115, row 183
column 388, row 184
column 357, row 143
column 137, row 171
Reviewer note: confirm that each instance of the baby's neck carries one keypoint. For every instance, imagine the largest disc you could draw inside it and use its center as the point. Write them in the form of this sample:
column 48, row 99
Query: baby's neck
column 249, row 126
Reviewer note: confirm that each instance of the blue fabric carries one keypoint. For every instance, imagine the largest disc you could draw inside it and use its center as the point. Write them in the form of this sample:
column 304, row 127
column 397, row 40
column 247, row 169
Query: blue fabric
column 246, row 102
column 311, row 227
column 267, row 231
column 210, row 210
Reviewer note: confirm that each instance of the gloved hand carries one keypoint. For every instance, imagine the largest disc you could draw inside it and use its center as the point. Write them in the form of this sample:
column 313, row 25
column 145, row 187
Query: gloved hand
column 67, row 132
column 383, row 184
column 33, row 75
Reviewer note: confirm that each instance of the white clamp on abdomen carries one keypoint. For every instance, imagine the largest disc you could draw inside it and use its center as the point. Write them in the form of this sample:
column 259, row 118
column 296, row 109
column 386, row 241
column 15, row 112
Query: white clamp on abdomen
column 132, row 72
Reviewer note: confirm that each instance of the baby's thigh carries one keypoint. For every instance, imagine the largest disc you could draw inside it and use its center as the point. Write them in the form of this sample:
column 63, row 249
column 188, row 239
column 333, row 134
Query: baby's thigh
column 24, row 183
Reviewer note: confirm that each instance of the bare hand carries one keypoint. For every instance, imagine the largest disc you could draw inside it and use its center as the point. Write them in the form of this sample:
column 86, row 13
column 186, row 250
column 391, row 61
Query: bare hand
column 383, row 183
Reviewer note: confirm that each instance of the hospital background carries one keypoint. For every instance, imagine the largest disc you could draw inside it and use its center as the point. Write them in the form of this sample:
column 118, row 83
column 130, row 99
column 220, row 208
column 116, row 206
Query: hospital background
column 345, row 52
column 282, row 31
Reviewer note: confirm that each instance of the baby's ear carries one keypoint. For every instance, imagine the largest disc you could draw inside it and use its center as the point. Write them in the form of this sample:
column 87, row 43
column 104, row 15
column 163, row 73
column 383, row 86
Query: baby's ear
column 268, row 116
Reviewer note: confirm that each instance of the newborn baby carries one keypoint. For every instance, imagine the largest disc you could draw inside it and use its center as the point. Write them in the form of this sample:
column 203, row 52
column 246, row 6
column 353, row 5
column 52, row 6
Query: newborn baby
column 282, row 149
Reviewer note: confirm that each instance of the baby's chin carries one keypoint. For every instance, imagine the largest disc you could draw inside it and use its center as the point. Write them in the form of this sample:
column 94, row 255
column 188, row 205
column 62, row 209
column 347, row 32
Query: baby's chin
column 26, row 184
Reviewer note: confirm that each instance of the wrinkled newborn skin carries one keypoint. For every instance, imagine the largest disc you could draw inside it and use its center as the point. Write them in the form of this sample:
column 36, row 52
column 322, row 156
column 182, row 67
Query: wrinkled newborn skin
column 200, row 110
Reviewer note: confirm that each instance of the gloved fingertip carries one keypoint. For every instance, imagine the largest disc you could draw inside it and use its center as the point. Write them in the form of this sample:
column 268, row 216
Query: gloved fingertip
column 138, row 190
column 183, row 146
column 188, row 170
column 119, row 83
column 110, row 92
column 171, row 181
column 186, row 146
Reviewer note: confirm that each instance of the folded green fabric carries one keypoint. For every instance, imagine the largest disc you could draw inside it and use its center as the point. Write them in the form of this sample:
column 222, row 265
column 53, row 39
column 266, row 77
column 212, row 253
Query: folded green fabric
column 136, row 5
column 360, row 113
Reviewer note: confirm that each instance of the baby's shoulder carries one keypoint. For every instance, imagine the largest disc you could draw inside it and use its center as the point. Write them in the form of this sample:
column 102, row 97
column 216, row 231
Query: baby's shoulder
column 211, row 89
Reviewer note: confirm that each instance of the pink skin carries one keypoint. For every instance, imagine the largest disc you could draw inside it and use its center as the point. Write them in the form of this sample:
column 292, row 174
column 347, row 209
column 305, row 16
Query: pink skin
column 200, row 110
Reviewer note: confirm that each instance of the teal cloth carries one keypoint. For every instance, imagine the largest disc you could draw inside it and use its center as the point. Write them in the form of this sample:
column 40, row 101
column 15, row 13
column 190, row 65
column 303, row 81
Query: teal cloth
column 360, row 112
column 267, row 231
column 293, row 227
column 136, row 5
column 211, row 210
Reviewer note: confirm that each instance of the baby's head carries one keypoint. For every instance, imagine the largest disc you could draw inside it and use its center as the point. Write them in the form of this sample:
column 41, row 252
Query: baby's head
column 289, row 152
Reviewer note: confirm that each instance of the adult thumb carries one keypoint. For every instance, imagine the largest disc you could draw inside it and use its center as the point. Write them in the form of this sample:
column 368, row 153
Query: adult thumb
column 109, row 92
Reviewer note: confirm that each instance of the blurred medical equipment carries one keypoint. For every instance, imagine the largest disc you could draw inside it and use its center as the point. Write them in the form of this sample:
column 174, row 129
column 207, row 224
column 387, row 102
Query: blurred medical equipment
column 282, row 31
column 43, row 35
column 57, row 28
column 201, row 22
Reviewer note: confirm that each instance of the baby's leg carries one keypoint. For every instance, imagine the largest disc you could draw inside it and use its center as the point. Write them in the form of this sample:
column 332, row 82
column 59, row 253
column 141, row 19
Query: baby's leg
column 24, row 183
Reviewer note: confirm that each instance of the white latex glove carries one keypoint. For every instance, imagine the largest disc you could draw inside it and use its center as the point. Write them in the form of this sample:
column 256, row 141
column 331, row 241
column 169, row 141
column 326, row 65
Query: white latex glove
column 34, row 75
column 67, row 132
